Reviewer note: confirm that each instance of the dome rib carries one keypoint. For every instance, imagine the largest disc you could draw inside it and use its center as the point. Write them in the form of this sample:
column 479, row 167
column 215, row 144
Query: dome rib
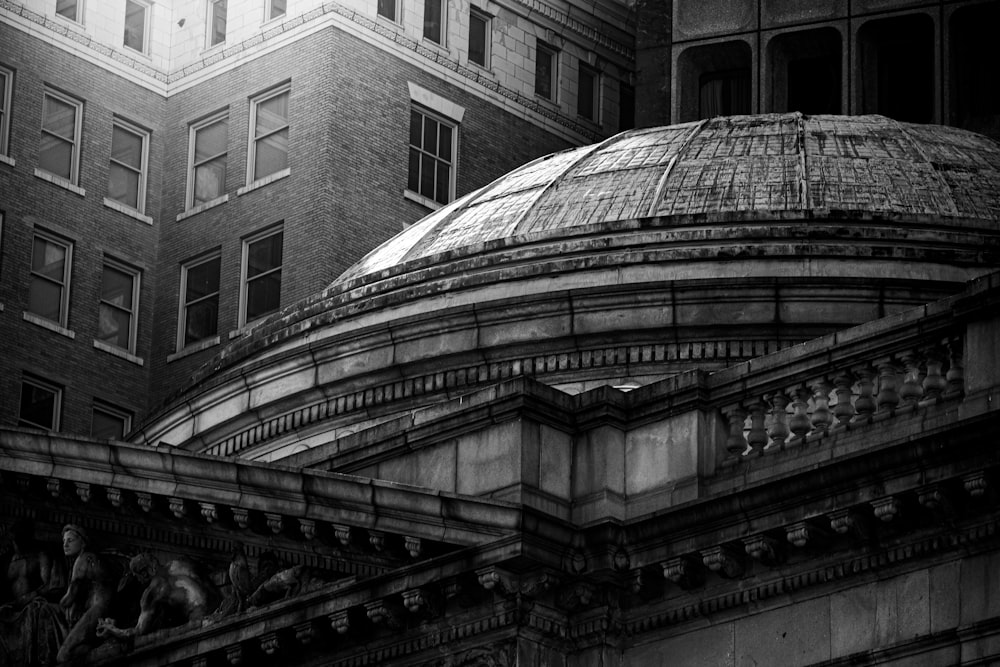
column 943, row 185
column 662, row 185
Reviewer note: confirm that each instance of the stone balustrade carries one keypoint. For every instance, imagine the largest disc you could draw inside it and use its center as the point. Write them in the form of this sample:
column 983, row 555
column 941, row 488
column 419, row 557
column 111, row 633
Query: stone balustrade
column 831, row 395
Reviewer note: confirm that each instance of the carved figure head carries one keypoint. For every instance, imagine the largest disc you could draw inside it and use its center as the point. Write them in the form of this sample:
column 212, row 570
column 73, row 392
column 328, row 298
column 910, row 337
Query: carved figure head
column 74, row 539
column 144, row 567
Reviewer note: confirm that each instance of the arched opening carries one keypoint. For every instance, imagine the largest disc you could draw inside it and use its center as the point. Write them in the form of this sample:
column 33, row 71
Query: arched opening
column 805, row 72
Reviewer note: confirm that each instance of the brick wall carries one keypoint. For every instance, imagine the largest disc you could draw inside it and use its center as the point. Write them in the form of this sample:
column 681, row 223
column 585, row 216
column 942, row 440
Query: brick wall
column 29, row 202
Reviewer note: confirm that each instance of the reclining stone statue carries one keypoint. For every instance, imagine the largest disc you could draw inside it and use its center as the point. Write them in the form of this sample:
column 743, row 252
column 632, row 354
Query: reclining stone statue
column 173, row 594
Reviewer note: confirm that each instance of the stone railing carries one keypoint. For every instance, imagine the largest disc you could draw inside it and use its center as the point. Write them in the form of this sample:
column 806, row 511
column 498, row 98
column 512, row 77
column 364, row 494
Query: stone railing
column 840, row 392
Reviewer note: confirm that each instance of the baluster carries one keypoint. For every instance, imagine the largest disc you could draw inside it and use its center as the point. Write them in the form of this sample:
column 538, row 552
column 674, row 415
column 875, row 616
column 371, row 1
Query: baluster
column 864, row 406
column 757, row 437
column 887, row 397
column 911, row 392
column 956, row 368
column 736, row 444
column 821, row 409
column 799, row 421
column 779, row 418
column 935, row 382
column 843, row 411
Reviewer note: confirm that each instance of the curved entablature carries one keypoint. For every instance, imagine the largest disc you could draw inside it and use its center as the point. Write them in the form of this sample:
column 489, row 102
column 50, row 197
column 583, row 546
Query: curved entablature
column 657, row 251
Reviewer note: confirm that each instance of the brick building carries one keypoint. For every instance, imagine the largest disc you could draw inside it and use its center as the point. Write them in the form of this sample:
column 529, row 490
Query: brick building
column 153, row 153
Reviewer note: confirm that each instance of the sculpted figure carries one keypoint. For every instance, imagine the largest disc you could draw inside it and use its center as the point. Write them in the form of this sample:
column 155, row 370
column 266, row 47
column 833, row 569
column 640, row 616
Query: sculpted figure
column 286, row 583
column 31, row 624
column 88, row 597
column 173, row 594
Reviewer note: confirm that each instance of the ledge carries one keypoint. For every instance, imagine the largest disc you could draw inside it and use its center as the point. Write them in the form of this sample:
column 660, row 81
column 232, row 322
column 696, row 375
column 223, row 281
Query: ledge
column 48, row 324
column 218, row 201
column 127, row 210
column 422, row 200
column 192, row 349
column 7, row 160
column 61, row 182
column 267, row 180
column 118, row 352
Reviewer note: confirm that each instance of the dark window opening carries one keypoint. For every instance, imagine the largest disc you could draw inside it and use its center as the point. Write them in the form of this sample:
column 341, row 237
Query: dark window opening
column 715, row 80
column 724, row 93
column 975, row 90
column 805, row 72
column 897, row 68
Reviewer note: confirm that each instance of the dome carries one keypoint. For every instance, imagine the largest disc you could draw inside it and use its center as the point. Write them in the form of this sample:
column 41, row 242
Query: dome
column 727, row 168
column 691, row 247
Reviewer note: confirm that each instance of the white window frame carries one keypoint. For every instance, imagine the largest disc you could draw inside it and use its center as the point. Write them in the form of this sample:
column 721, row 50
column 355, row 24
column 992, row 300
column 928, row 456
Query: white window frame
column 452, row 159
column 77, row 132
column 112, row 411
column 133, row 325
column 269, row 14
column 55, row 389
column 595, row 98
column 67, row 273
column 553, row 52
column 210, row 24
column 146, row 24
column 7, row 88
column 192, row 136
column 244, row 283
column 184, row 304
column 255, row 103
column 475, row 12
column 396, row 9
column 144, row 163
column 443, row 31
column 79, row 12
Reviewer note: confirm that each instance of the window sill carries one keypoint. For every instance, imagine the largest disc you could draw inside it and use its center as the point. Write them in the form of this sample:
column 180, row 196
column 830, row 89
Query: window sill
column 48, row 324
column 61, row 182
column 137, row 54
column 218, row 201
column 548, row 103
column 118, row 352
column 70, row 22
column 436, row 46
column 215, row 48
column 7, row 160
column 267, row 180
column 422, row 200
column 388, row 22
column 127, row 210
column 192, row 349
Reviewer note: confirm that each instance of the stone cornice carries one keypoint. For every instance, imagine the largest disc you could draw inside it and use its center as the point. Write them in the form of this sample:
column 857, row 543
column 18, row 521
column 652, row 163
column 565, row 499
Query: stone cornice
column 198, row 484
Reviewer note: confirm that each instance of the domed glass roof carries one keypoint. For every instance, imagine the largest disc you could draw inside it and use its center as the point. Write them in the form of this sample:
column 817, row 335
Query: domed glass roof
column 722, row 169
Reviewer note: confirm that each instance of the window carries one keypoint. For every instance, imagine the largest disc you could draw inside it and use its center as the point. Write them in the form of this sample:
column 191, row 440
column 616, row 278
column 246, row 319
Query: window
column 804, row 68
column 127, row 172
column 216, row 22
column 207, row 174
column 119, row 306
column 109, row 422
column 479, row 38
column 626, row 106
column 41, row 404
column 199, row 318
column 896, row 77
column 269, row 134
column 276, row 9
column 432, row 156
column 724, row 93
column 48, row 286
column 387, row 8
column 588, row 101
column 70, row 9
column 59, row 152
column 546, row 62
column 434, row 21
column 261, row 293
column 6, row 92
column 136, row 25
